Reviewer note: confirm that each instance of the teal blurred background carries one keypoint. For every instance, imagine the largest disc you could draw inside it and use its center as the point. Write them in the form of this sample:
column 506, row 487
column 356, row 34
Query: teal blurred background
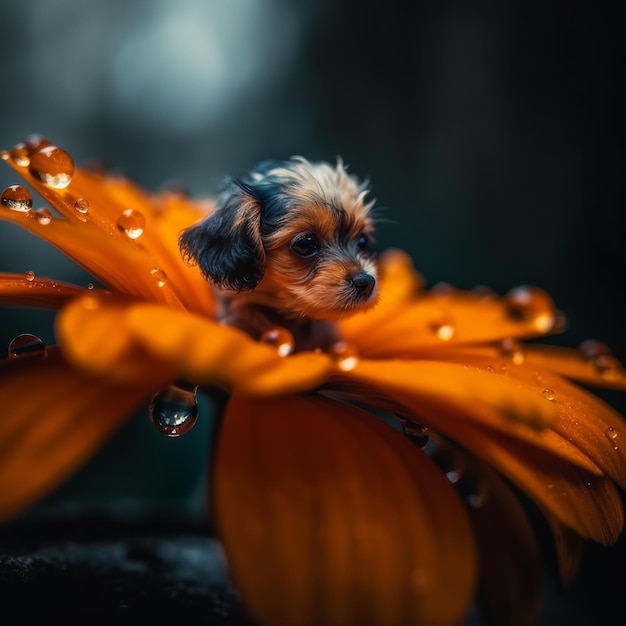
column 491, row 132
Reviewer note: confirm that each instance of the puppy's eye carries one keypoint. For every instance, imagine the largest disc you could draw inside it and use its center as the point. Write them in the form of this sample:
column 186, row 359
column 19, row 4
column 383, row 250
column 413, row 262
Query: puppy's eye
column 305, row 246
column 363, row 242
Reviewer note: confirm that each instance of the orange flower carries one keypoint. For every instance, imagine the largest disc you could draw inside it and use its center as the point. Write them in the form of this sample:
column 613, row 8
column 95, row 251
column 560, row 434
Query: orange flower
column 353, row 520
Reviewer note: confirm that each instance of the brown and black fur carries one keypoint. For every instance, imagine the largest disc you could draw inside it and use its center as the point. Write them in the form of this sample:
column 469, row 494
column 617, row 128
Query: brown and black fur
column 288, row 245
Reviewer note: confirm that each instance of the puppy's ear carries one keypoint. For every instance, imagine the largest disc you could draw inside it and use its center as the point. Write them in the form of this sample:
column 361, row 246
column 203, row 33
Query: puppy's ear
column 226, row 245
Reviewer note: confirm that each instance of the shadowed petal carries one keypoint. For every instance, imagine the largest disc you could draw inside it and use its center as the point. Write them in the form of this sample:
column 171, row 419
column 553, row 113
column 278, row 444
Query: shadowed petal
column 331, row 517
column 17, row 290
column 59, row 417
column 584, row 419
column 125, row 340
column 511, row 576
column 579, row 498
column 437, row 320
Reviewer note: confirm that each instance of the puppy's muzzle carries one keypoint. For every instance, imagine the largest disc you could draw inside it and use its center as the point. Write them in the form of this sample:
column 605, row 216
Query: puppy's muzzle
column 363, row 283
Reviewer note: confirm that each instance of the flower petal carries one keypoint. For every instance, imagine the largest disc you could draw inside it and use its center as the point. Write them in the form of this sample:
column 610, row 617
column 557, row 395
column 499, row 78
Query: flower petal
column 94, row 337
column 510, row 566
column 120, row 266
column 329, row 516
column 568, row 546
column 127, row 340
column 441, row 321
column 584, row 419
column 19, row 290
column 208, row 353
column 58, row 418
column 577, row 496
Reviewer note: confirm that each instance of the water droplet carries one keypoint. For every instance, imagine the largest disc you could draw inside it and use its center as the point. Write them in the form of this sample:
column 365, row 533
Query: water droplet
column 591, row 349
column 174, row 410
column 90, row 286
column 611, row 434
column 131, row 223
column 490, row 368
column 20, row 154
column 512, row 349
column 26, row 345
column 4, row 155
column 345, row 355
column 29, row 275
column 82, row 206
column 52, row 165
column 533, row 305
column 442, row 289
column 548, row 394
column 608, row 367
column 36, row 141
column 415, row 432
column 280, row 338
column 159, row 275
column 44, row 216
column 17, row 198
column 478, row 495
column 443, row 330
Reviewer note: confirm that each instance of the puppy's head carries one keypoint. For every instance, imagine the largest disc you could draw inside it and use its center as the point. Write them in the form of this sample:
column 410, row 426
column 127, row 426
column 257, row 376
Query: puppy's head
column 294, row 236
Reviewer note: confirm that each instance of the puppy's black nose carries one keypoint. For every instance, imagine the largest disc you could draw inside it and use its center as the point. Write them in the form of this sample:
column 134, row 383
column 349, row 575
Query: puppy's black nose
column 363, row 283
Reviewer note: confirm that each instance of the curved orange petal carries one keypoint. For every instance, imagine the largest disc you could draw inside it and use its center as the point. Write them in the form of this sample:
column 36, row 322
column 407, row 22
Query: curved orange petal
column 128, row 340
column 441, row 321
column 584, row 419
column 58, row 418
column 20, row 290
column 568, row 362
column 568, row 547
column 556, row 479
column 472, row 393
column 101, row 224
column 510, row 566
column 329, row 516
column 206, row 353
column 120, row 266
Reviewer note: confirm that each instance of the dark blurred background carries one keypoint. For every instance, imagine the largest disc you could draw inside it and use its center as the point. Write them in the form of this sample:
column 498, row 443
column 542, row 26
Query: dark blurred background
column 490, row 130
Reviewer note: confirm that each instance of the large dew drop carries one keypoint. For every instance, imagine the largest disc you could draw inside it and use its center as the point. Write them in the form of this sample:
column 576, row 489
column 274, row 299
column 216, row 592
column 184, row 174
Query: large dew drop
column 532, row 305
column 17, row 198
column 280, row 338
column 131, row 223
column 26, row 345
column 174, row 410
column 53, row 166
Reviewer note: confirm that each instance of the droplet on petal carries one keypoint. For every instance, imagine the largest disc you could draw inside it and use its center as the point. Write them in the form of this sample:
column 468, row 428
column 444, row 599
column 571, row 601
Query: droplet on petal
column 90, row 286
column 131, row 223
column 280, row 338
column 476, row 494
column 608, row 367
column 35, row 142
column 26, row 345
column 548, row 394
column 345, row 355
column 20, row 154
column 159, row 275
column 531, row 304
column 592, row 348
column 29, row 275
column 611, row 434
column 415, row 432
column 43, row 215
column 174, row 410
column 513, row 350
column 82, row 206
column 17, row 198
column 53, row 166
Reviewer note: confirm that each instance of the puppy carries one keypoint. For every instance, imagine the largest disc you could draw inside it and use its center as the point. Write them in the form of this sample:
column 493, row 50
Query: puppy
column 288, row 247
